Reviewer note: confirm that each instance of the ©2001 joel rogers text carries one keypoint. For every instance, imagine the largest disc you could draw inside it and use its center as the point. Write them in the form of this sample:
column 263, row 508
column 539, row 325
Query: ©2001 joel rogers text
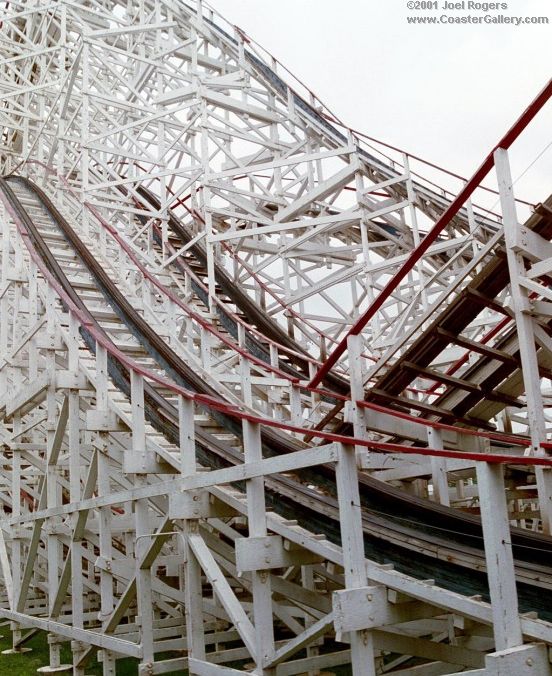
column 454, row 13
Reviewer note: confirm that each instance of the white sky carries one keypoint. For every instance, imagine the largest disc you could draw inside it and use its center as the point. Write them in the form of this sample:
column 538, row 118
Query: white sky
column 447, row 93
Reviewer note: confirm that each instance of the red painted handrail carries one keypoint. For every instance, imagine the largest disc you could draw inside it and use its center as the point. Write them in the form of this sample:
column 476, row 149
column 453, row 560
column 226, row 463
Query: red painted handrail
column 449, row 213
column 236, row 412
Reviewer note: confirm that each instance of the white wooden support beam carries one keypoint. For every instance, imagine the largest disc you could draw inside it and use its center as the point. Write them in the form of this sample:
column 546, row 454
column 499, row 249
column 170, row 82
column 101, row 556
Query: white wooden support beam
column 6, row 570
column 144, row 461
column 314, row 664
column 326, row 223
column 315, row 630
column 98, row 420
column 352, row 542
column 75, row 491
column 526, row 337
column 190, row 505
column 498, row 554
column 203, row 668
column 356, row 376
column 530, row 244
column 523, row 660
column 95, row 638
column 235, row 106
column 70, row 380
column 193, row 589
column 369, row 608
column 268, row 552
column 142, row 523
column 137, row 28
column 224, row 592
column 438, row 468
column 29, row 396
column 79, row 524
column 256, row 515
column 322, row 190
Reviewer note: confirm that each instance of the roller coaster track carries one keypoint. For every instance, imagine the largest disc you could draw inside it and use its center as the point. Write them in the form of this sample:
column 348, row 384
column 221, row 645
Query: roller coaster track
column 421, row 514
column 387, row 509
column 212, row 461
column 250, row 310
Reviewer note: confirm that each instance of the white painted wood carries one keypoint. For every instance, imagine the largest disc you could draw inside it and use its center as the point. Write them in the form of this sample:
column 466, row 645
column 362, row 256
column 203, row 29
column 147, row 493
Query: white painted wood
column 438, row 468
column 524, row 328
column 155, row 95
column 223, row 591
column 498, row 552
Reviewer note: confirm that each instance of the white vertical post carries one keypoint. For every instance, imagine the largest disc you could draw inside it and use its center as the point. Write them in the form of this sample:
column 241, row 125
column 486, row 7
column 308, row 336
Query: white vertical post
column 438, row 468
column 356, row 378
column 499, row 557
column 411, row 195
column 105, row 517
column 256, row 515
column 85, row 129
column 526, row 339
column 142, row 522
column 73, row 424
column 354, row 562
column 192, row 569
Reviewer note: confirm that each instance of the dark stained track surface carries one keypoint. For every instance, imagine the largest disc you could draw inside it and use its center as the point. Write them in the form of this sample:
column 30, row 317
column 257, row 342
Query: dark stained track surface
column 392, row 518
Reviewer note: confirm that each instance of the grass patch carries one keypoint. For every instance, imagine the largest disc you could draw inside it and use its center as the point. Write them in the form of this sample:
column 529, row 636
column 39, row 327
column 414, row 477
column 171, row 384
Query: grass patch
column 25, row 664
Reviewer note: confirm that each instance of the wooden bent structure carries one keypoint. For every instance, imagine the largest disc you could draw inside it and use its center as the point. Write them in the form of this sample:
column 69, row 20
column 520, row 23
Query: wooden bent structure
column 271, row 401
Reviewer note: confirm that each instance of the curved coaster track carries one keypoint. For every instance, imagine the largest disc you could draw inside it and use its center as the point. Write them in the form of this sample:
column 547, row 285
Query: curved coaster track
column 273, row 395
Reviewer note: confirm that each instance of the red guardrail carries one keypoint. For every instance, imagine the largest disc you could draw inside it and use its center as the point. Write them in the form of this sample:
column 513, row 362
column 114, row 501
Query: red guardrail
column 449, row 213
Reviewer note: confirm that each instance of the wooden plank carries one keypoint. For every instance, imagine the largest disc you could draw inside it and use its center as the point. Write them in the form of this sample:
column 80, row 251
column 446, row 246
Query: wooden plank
column 485, row 301
column 430, row 409
column 308, row 636
column 480, row 348
column 452, row 381
column 438, row 377
column 224, row 592
column 202, row 668
column 28, row 396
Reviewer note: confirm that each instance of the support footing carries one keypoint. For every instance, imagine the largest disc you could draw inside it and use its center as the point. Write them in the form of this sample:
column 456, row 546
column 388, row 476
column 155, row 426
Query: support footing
column 62, row 669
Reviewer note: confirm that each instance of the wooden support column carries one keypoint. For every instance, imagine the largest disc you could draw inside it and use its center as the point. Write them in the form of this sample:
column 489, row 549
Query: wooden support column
column 438, row 468
column 142, row 527
column 73, row 428
column 256, row 515
column 192, row 568
column 354, row 562
column 499, row 557
column 356, row 376
column 526, row 337
column 105, row 514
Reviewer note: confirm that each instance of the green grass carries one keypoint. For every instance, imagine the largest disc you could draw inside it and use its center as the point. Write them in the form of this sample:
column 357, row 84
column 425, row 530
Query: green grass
column 27, row 663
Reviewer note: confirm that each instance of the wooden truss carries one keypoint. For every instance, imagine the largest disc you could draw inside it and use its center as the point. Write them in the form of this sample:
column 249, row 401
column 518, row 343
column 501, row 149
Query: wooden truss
column 187, row 235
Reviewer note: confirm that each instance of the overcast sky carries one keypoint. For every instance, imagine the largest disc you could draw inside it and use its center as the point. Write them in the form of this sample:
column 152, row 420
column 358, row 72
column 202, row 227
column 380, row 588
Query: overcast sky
column 447, row 93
